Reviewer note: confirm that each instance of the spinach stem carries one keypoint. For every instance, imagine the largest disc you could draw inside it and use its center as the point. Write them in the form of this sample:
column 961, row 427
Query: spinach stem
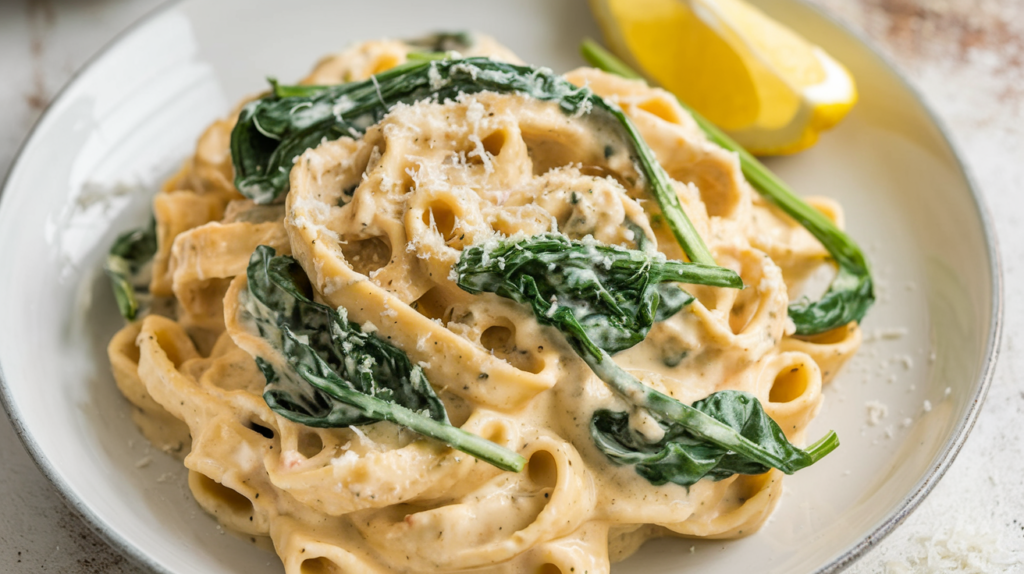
column 666, row 196
column 275, row 129
column 700, row 274
column 822, row 446
column 455, row 437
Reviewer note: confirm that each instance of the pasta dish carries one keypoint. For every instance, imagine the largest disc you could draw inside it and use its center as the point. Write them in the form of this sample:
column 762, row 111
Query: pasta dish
column 435, row 310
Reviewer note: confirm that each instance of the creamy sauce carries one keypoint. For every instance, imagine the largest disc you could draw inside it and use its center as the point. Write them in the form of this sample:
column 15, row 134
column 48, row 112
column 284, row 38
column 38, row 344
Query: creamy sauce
column 377, row 224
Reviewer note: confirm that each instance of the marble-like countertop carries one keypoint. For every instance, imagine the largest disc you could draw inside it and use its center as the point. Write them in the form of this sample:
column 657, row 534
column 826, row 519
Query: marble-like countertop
column 965, row 56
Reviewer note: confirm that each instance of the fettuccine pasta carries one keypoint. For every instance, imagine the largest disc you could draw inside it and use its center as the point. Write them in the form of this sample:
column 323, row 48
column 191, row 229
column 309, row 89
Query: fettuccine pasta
column 377, row 223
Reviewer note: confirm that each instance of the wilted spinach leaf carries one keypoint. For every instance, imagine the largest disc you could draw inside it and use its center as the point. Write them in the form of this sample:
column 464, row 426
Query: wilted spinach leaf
column 600, row 297
column 684, row 457
column 611, row 299
column 335, row 375
column 272, row 131
column 130, row 254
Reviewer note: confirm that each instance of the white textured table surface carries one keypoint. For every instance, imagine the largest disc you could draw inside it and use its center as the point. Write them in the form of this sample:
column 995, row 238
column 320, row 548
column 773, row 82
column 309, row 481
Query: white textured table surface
column 965, row 56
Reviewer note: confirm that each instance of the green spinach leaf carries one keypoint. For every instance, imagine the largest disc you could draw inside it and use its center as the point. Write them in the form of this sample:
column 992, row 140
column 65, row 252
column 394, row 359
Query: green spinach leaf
column 334, row 374
column 601, row 297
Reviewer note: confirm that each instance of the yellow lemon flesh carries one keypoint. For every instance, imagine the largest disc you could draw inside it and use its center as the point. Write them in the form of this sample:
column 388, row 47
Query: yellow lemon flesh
column 769, row 88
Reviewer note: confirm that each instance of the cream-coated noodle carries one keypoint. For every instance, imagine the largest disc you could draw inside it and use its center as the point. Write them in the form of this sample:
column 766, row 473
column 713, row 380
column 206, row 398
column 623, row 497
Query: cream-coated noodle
column 377, row 223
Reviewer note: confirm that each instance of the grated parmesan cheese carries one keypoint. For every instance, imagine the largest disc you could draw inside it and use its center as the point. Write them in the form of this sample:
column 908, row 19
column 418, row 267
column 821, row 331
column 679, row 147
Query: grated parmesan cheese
column 876, row 412
column 958, row 549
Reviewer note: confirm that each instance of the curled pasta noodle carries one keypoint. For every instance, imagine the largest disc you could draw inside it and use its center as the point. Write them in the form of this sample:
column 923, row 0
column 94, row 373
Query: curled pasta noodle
column 586, row 550
column 745, row 504
column 829, row 350
column 324, row 549
column 367, row 477
column 789, row 387
column 205, row 258
column 546, row 501
column 376, row 223
column 177, row 212
column 159, row 427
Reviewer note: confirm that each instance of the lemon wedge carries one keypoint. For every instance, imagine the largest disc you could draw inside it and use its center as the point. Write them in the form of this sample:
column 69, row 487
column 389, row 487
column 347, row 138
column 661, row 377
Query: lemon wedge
column 767, row 87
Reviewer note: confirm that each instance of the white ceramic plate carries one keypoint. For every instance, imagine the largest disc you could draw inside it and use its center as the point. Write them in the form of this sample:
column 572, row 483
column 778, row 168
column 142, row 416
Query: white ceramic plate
column 93, row 161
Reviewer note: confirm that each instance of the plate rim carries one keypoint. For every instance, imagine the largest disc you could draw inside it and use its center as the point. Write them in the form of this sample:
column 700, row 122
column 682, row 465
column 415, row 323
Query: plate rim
column 950, row 451
column 894, row 518
column 63, row 488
